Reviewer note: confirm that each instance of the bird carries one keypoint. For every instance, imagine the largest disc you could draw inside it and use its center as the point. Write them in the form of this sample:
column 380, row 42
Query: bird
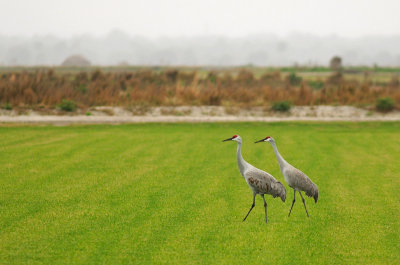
column 295, row 178
column 260, row 182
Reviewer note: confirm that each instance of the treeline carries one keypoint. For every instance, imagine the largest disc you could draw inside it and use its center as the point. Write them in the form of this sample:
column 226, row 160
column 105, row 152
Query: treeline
column 47, row 88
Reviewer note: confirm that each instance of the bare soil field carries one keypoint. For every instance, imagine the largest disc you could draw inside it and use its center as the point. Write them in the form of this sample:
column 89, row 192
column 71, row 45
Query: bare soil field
column 117, row 115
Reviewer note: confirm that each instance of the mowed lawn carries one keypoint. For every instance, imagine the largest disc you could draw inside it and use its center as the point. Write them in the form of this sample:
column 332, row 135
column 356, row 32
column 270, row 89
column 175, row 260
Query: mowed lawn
column 172, row 194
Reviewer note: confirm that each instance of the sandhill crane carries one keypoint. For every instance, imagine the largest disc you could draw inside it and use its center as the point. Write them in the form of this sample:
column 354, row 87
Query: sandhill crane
column 260, row 182
column 296, row 179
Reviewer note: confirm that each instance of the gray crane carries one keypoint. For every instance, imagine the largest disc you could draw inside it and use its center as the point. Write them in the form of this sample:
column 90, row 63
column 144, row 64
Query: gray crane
column 296, row 179
column 260, row 182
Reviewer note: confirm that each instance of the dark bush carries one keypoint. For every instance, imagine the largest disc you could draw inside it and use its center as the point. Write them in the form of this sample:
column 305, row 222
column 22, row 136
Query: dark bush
column 212, row 76
column 7, row 106
column 294, row 79
column 281, row 106
column 172, row 75
column 385, row 104
column 67, row 105
column 81, row 88
column 316, row 84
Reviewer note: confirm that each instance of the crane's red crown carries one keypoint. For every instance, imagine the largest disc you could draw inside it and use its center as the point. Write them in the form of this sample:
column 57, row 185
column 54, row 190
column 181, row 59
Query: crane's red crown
column 266, row 138
column 233, row 137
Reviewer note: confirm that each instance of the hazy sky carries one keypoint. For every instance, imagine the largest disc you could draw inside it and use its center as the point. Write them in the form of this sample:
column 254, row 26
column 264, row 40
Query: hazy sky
column 154, row 18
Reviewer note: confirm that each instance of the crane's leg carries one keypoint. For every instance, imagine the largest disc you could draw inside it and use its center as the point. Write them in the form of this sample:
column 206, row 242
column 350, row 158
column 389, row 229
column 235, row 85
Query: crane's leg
column 304, row 202
column 265, row 206
column 252, row 206
column 294, row 200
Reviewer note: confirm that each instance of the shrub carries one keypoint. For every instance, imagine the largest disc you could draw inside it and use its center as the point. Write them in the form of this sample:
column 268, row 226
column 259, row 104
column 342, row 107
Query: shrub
column 172, row 75
column 294, row 79
column 7, row 106
column 316, row 84
column 212, row 76
column 385, row 104
column 81, row 88
column 67, row 105
column 281, row 106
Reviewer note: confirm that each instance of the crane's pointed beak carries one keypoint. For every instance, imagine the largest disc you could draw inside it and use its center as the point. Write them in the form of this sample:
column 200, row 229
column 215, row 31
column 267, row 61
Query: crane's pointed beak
column 227, row 139
column 262, row 140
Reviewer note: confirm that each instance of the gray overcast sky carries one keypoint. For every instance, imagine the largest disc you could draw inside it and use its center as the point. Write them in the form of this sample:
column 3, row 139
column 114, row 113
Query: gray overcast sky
column 154, row 18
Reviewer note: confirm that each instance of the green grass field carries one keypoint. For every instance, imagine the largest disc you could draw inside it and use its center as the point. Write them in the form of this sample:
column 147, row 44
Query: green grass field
column 172, row 194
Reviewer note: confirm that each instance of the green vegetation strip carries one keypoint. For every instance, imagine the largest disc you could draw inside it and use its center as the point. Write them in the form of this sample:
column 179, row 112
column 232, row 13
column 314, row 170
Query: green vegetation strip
column 172, row 194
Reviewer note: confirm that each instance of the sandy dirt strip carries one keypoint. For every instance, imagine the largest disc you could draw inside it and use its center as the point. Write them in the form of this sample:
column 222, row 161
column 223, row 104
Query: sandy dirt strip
column 117, row 115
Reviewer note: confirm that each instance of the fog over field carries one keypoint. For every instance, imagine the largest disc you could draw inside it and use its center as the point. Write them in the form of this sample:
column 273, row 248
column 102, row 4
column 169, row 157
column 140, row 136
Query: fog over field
column 262, row 50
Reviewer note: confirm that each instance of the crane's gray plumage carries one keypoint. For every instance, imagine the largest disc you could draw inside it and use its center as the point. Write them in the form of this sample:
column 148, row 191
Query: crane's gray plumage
column 295, row 178
column 260, row 182
column 263, row 183
column 299, row 181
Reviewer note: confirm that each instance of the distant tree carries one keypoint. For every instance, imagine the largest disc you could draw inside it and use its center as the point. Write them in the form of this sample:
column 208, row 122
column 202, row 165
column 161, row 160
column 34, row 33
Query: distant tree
column 123, row 63
column 76, row 60
column 336, row 63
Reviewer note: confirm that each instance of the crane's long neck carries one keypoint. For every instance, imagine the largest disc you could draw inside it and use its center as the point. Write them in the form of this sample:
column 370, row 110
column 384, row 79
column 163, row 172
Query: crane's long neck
column 282, row 162
column 241, row 163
